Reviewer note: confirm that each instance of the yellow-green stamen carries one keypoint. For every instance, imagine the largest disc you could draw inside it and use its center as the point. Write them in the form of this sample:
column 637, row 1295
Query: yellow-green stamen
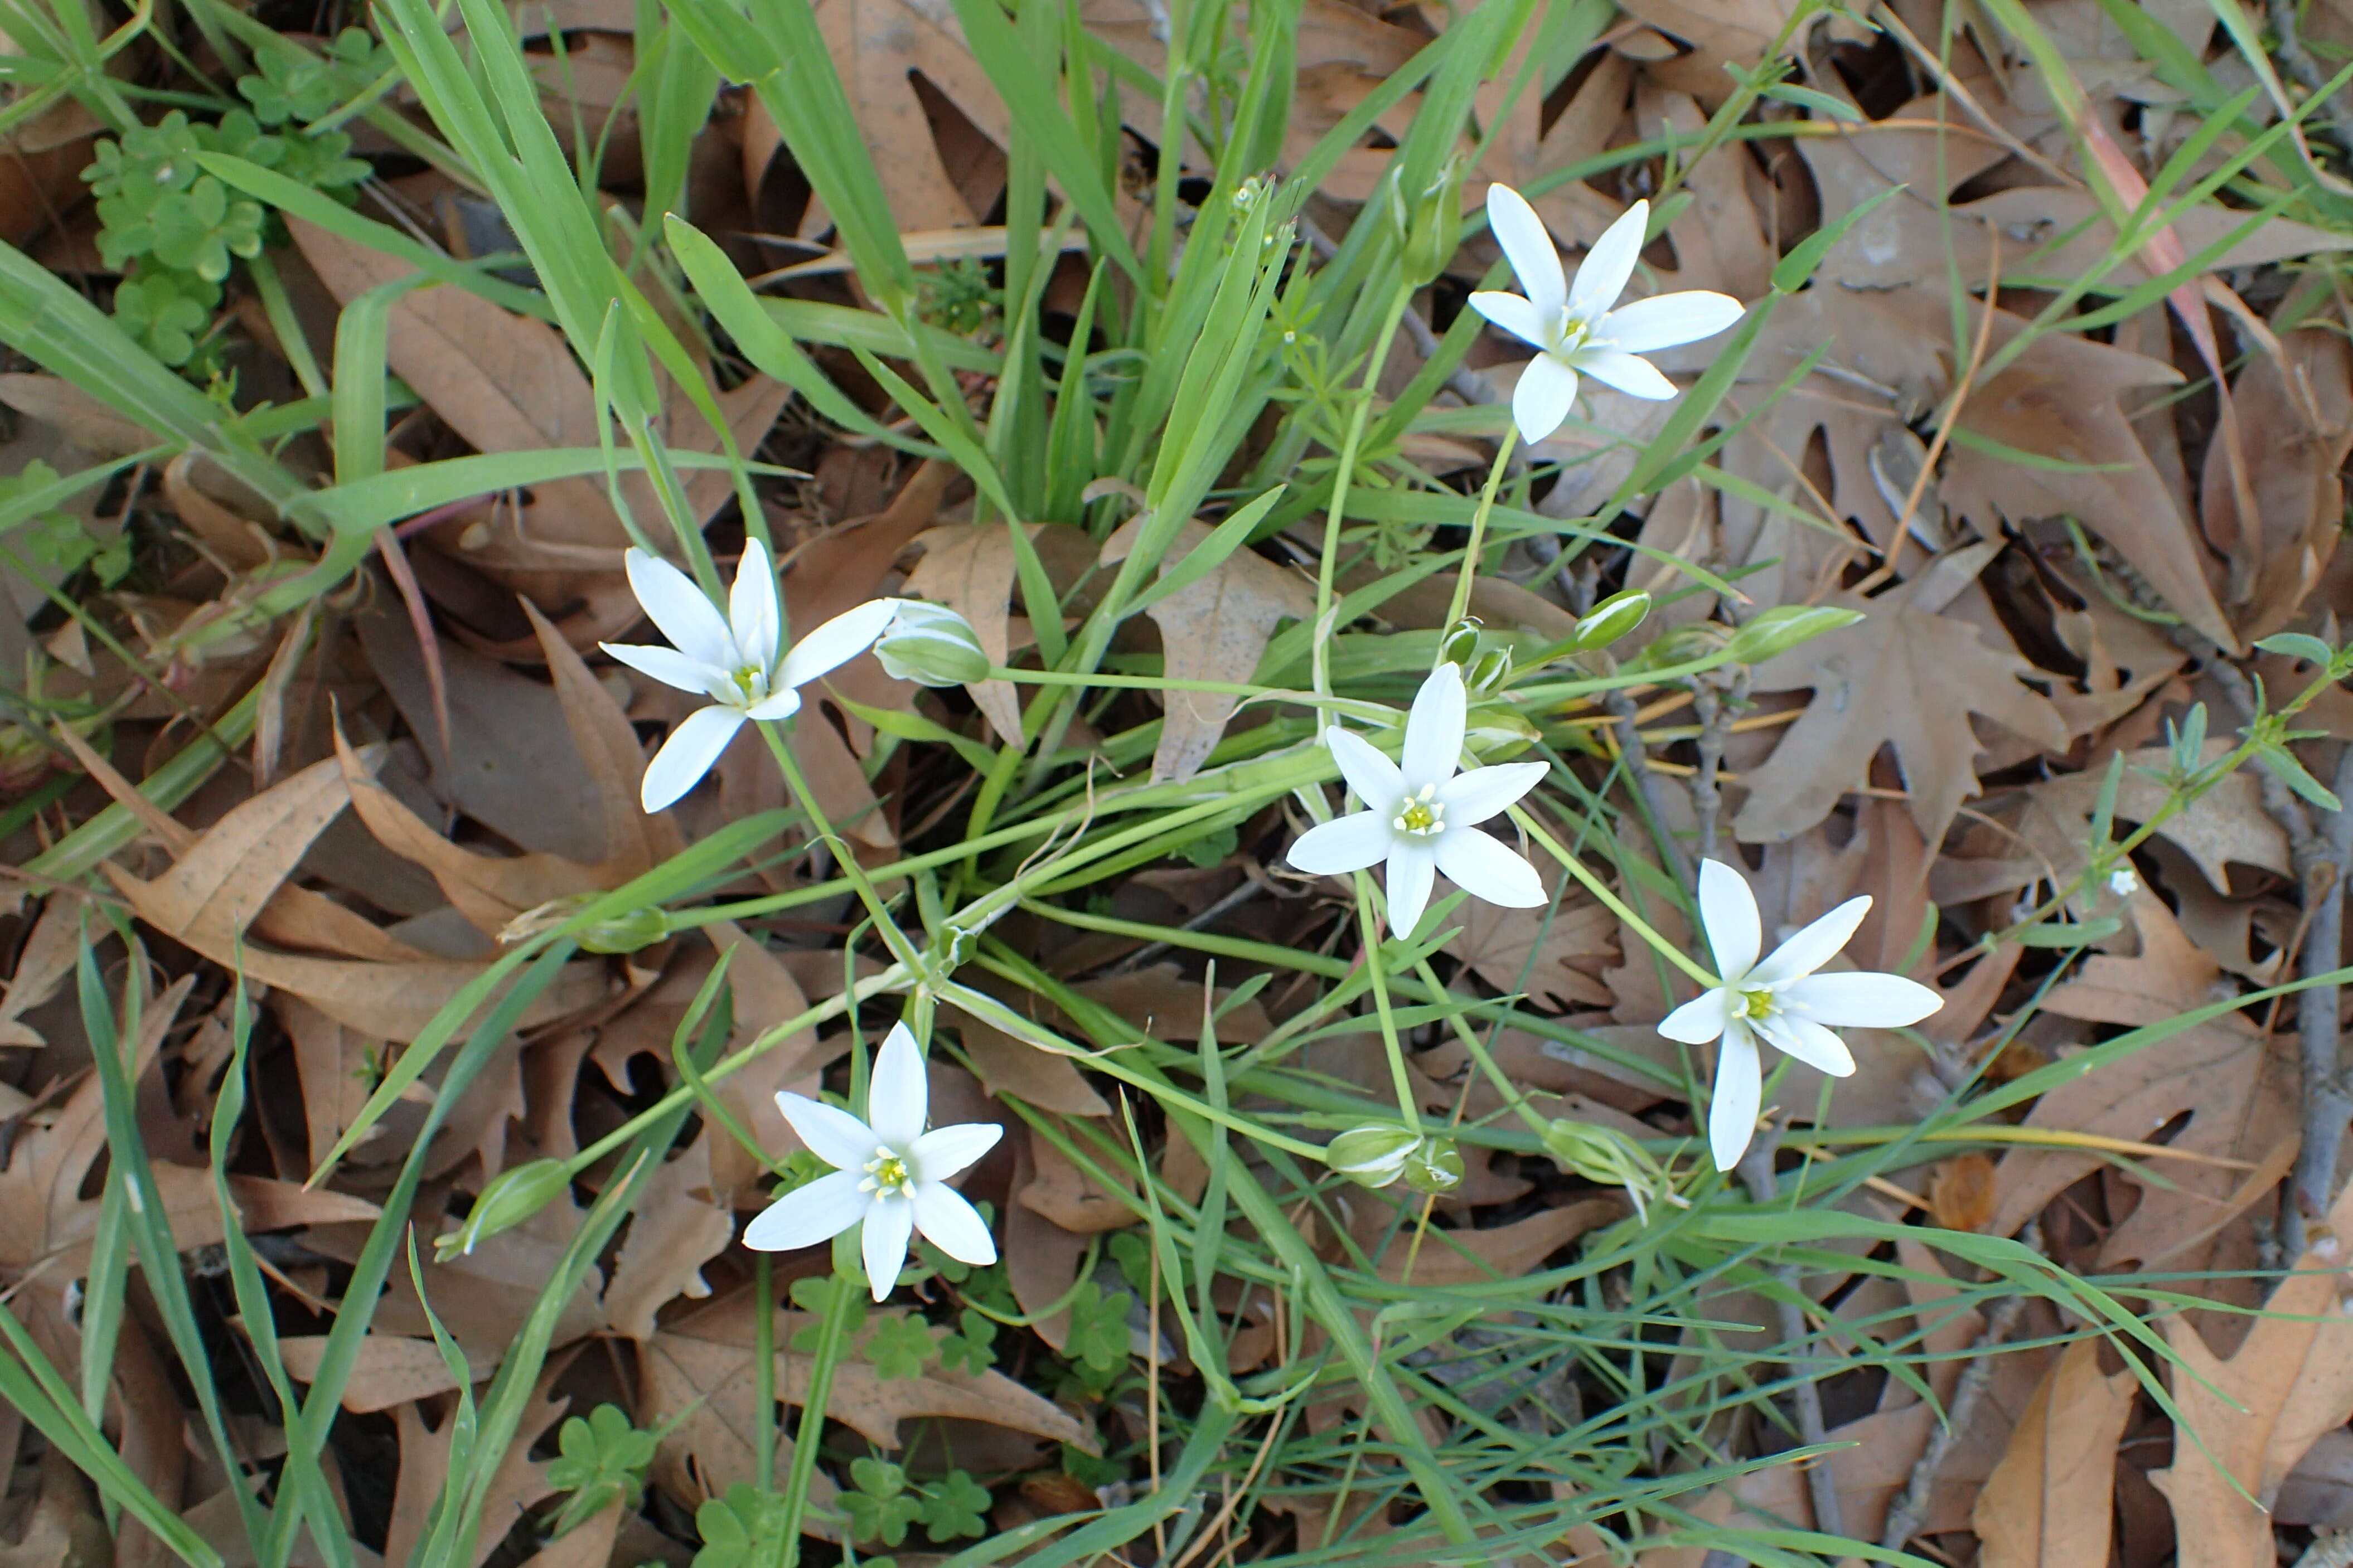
column 1420, row 812
column 887, row 1174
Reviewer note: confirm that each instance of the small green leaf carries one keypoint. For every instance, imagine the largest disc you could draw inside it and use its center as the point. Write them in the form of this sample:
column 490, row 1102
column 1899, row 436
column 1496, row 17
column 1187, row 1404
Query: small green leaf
column 2297, row 645
column 969, row 1350
column 899, row 1347
column 1098, row 1333
column 953, row 1506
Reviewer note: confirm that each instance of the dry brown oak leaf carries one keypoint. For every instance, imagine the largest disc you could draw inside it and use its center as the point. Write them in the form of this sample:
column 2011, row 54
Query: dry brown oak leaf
column 2046, row 1503
column 1903, row 675
column 2255, row 1415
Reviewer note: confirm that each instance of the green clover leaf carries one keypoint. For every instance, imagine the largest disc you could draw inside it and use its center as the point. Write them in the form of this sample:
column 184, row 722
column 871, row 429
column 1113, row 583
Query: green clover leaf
column 166, row 311
column 736, row 1527
column 899, row 1347
column 970, row 1349
column 1099, row 1333
column 602, row 1457
column 880, row 1510
column 953, row 1506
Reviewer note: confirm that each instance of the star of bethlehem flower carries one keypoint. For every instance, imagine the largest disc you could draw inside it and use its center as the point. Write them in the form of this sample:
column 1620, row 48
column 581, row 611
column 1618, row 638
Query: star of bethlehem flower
column 737, row 659
column 1420, row 815
column 1572, row 322
column 1780, row 1001
column 888, row 1173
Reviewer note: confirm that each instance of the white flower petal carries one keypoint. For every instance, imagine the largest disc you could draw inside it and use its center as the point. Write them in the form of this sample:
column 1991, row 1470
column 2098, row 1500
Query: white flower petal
column 1809, row 1042
column 899, row 1095
column 1664, row 320
column 1603, row 275
column 687, row 755
column 1862, row 1001
column 1515, row 315
column 1475, row 796
column 945, row 1152
column 1630, row 373
column 951, row 1224
column 1546, row 392
column 806, row 1215
column 672, row 601
column 1413, row 868
column 1697, row 1021
column 776, row 705
column 1732, row 1109
column 1343, row 845
column 835, row 643
column 1528, row 245
column 890, row 1222
column 753, row 614
column 1373, row 776
column 1814, row 947
column 1487, row 868
column 1433, row 731
column 832, row 1135
column 1727, row 912
column 666, row 665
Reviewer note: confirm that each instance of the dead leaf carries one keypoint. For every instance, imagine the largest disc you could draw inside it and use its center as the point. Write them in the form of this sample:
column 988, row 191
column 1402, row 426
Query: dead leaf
column 1554, row 955
column 1961, row 1192
column 676, row 1227
column 1469, row 1257
column 1215, row 629
column 972, row 571
column 2256, row 1414
column 2046, row 1505
column 1903, row 676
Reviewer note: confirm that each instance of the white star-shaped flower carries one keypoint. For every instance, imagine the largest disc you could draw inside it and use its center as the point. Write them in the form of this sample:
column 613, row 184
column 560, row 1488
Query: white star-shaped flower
column 1780, row 1001
column 1573, row 323
column 891, row 1174
column 737, row 660
column 1421, row 816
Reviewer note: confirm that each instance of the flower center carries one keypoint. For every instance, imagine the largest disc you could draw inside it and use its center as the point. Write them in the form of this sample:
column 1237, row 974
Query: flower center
column 1756, row 1003
column 1569, row 335
column 887, row 1176
column 752, row 682
column 1421, row 812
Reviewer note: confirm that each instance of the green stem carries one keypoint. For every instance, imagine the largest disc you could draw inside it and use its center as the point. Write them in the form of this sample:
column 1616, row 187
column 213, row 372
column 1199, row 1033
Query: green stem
column 812, row 1430
column 1610, row 901
column 1462, row 601
column 1379, row 977
column 1328, row 564
column 892, row 937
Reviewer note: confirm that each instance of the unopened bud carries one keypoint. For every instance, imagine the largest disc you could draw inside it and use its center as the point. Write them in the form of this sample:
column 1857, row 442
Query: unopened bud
column 1779, row 629
column 1612, row 618
column 1435, row 1166
column 931, row 645
column 1596, row 1153
column 1490, row 672
column 1461, row 645
column 625, row 932
column 1429, row 223
column 513, row 1197
column 1497, row 730
column 1374, row 1155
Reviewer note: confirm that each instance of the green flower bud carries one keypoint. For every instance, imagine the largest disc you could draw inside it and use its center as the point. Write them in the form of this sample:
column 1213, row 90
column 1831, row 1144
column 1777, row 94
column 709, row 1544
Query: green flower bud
column 931, row 645
column 1374, row 1155
column 1612, row 618
column 1779, row 629
column 1461, row 645
column 1490, row 672
column 1434, row 1166
column 1497, row 730
column 1429, row 225
column 1606, row 1156
column 513, row 1197
column 624, row 932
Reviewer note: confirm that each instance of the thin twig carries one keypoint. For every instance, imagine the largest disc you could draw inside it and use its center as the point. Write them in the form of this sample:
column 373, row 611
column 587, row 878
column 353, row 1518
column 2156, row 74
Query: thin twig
column 1805, row 1377
column 2327, row 1105
column 1911, row 1511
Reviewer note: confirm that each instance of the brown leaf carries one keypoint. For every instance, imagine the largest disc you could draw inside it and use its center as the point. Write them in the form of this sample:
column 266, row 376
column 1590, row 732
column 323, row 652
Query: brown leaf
column 1554, row 954
column 2046, row 1504
column 2297, row 408
column 707, row 1355
column 2233, row 1083
column 677, row 1228
column 1215, row 629
column 972, row 569
column 1467, row 1257
column 390, row 1369
column 2256, row 1414
column 1961, row 1192
column 1068, row 1196
column 1007, row 1066
column 518, row 1482
column 1903, row 675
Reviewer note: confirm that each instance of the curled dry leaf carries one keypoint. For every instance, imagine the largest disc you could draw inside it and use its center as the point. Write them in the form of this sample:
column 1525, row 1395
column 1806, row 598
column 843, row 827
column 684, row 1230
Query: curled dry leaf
column 973, row 570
